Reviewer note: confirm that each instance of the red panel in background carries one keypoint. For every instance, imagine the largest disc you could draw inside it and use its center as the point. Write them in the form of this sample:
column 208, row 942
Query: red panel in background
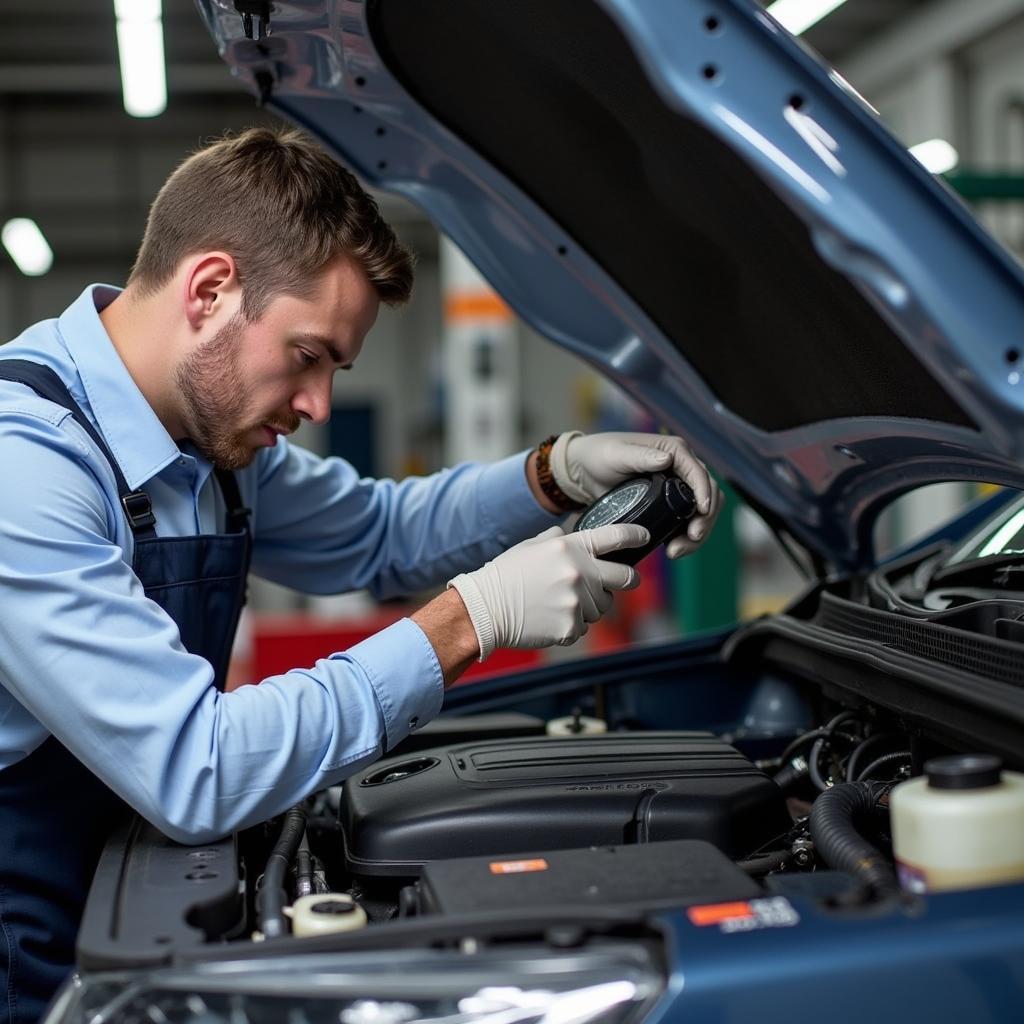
column 283, row 642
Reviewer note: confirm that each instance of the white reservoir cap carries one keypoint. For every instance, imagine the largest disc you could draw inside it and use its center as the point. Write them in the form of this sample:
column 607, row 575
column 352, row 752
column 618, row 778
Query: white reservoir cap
column 576, row 725
column 326, row 914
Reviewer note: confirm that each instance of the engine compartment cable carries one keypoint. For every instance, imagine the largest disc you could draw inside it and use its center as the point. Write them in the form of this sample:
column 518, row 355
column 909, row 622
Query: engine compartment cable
column 902, row 756
column 871, row 743
column 272, row 898
column 828, row 733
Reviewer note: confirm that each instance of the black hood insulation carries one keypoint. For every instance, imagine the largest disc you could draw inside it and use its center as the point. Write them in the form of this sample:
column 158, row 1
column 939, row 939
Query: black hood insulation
column 553, row 96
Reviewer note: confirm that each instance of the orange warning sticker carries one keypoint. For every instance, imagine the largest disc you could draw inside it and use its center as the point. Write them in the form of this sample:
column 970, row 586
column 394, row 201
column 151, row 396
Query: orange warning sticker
column 514, row 867
column 716, row 913
column 747, row 916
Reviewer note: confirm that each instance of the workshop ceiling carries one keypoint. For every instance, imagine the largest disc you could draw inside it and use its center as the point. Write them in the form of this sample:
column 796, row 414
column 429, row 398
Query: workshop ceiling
column 854, row 24
column 72, row 158
column 61, row 47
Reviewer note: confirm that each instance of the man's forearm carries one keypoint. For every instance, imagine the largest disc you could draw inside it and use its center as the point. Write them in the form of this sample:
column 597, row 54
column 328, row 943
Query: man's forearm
column 445, row 621
column 448, row 627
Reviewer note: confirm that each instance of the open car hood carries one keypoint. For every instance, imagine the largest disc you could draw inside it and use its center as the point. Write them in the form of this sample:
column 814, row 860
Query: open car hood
column 680, row 194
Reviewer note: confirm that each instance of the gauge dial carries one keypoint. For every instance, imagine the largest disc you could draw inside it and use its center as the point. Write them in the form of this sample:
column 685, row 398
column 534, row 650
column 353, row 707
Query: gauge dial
column 612, row 507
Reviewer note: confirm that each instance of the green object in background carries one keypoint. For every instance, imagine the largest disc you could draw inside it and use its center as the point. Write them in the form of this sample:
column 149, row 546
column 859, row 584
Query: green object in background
column 705, row 585
column 979, row 185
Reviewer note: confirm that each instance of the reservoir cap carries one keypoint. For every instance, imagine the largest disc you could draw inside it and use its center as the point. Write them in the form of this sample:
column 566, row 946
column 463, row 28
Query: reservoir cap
column 963, row 771
column 337, row 907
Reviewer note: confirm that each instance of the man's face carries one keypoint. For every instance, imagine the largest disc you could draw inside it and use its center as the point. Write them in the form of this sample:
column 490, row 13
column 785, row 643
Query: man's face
column 251, row 382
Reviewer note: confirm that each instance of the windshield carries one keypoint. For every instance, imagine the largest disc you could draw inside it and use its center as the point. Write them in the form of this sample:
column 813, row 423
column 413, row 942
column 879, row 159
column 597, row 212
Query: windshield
column 1003, row 535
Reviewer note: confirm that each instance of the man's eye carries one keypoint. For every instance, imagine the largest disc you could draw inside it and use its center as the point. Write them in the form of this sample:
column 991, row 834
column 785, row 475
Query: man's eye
column 308, row 359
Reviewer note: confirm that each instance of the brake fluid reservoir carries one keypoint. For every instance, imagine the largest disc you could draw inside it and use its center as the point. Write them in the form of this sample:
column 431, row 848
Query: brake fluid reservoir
column 959, row 826
column 331, row 912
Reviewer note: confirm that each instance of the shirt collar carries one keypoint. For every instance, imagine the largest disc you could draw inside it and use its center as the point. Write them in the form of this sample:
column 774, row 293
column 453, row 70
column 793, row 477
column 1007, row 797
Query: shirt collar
column 134, row 434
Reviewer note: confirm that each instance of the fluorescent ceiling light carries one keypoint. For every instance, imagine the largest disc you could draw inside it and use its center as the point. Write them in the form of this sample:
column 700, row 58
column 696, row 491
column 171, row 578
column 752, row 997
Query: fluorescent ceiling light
column 137, row 10
column 937, row 155
column 800, row 15
column 140, row 46
column 27, row 246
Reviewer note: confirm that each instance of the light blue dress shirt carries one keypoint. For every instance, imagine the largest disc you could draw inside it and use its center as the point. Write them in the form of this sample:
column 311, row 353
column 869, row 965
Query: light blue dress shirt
column 84, row 655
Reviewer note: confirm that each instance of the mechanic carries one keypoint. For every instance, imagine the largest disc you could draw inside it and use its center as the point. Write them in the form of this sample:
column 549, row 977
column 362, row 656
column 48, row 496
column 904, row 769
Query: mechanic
column 146, row 468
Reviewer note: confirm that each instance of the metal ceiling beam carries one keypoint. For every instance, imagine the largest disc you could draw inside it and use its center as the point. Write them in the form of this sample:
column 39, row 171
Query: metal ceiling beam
column 854, row 24
column 931, row 31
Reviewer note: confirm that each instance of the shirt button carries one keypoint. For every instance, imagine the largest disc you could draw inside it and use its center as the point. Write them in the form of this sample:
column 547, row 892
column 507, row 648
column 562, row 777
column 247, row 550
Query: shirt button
column 414, row 721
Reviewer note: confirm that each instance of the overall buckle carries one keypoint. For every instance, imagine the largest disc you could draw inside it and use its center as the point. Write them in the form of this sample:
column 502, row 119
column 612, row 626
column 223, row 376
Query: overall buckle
column 139, row 510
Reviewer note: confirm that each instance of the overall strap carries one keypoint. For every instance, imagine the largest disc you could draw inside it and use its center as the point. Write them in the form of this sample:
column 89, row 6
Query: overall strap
column 237, row 518
column 45, row 383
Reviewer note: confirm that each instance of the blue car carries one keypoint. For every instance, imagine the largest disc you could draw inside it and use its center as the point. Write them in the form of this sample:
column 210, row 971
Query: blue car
column 681, row 195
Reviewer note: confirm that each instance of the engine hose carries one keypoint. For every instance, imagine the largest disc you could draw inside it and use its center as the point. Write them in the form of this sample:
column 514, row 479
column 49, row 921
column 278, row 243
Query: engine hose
column 825, row 739
column 814, row 765
column 900, row 755
column 272, row 898
column 791, row 773
column 763, row 863
column 303, row 871
column 876, row 740
column 787, row 755
column 408, row 901
column 840, row 844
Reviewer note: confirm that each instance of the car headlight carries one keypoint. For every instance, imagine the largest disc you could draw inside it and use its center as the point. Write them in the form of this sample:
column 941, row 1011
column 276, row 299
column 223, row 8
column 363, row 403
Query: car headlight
column 614, row 985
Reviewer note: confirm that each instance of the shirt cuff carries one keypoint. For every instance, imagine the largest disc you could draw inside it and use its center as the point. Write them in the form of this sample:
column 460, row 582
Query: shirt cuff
column 508, row 504
column 405, row 674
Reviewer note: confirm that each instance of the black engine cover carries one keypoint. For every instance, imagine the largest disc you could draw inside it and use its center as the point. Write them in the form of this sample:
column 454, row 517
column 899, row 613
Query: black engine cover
column 513, row 796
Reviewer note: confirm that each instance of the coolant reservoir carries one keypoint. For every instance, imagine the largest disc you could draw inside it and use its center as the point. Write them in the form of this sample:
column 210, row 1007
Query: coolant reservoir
column 959, row 826
column 320, row 915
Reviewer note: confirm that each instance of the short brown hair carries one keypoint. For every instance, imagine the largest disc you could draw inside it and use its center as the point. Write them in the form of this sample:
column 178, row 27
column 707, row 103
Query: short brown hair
column 282, row 208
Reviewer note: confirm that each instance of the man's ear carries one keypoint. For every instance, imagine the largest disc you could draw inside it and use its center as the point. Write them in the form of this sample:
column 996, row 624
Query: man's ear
column 211, row 285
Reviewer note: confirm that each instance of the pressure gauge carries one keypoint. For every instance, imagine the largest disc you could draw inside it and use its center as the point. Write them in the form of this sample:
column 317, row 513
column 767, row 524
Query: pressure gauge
column 661, row 503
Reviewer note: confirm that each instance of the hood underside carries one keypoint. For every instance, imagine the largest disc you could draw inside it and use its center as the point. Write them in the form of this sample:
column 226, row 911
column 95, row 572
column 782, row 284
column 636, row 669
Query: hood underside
column 675, row 191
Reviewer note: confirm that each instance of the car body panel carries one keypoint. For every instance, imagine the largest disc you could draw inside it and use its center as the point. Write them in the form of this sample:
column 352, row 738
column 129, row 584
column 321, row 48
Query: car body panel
column 872, row 217
column 949, row 958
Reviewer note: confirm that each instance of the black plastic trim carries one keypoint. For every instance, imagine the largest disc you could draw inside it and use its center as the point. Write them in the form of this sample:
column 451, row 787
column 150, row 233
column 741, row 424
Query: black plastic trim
column 152, row 897
column 953, row 707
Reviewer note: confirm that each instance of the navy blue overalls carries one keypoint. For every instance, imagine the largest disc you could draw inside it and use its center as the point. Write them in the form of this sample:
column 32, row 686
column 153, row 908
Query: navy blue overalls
column 55, row 815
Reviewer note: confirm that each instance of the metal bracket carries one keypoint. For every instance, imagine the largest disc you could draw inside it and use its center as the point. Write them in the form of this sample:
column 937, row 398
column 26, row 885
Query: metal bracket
column 258, row 9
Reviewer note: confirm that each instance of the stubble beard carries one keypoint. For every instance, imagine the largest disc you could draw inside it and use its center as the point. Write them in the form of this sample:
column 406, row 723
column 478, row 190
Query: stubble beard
column 216, row 398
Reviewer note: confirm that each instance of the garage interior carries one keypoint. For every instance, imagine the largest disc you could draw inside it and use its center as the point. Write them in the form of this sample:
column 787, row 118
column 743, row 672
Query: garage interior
column 75, row 162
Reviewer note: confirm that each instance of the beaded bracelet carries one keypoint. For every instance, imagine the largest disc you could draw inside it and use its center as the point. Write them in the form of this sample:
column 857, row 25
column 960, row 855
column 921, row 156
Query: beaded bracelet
column 546, row 478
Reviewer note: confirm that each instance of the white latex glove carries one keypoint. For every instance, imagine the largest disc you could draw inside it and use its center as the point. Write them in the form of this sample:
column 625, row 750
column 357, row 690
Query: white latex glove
column 546, row 590
column 585, row 466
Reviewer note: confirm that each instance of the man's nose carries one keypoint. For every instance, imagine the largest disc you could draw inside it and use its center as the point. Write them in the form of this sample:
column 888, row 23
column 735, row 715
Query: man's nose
column 314, row 403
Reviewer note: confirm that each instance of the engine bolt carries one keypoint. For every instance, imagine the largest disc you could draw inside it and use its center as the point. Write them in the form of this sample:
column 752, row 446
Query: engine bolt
column 803, row 854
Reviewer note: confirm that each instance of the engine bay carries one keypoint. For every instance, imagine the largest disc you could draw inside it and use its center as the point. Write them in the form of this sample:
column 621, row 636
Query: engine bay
column 488, row 816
